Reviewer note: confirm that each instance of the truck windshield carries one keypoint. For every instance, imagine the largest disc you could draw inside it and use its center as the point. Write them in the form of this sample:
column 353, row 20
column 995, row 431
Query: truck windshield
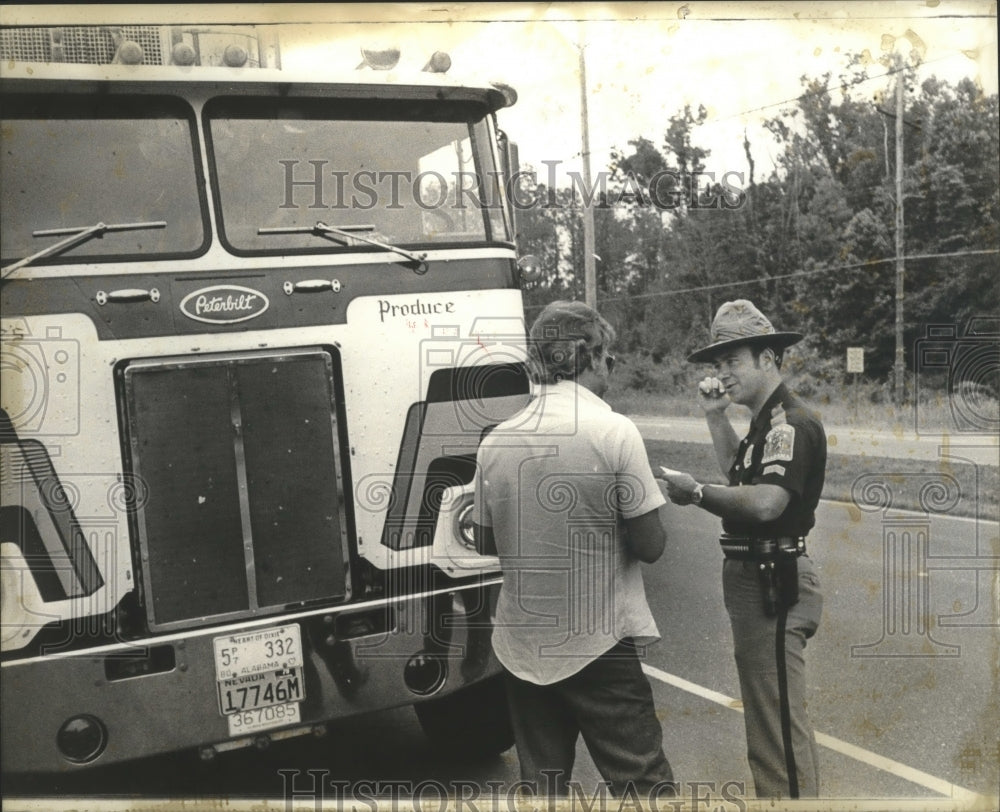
column 68, row 162
column 418, row 173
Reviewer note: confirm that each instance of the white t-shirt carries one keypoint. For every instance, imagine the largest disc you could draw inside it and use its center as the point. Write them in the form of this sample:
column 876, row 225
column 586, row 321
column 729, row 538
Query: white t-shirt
column 556, row 482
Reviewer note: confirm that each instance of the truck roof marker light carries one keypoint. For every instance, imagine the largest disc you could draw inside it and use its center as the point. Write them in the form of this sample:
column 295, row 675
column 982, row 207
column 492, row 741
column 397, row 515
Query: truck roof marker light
column 379, row 58
column 235, row 56
column 439, row 62
column 130, row 53
column 183, row 54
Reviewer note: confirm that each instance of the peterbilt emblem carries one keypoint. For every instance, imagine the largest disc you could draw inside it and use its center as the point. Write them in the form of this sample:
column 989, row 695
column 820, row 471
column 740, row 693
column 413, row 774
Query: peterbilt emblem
column 224, row 304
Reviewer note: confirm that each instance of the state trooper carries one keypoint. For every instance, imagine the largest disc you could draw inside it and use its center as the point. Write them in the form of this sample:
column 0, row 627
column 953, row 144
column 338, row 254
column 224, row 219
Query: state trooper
column 771, row 590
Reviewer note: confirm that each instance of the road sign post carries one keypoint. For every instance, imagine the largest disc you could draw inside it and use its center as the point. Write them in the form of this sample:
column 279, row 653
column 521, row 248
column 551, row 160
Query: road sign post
column 855, row 366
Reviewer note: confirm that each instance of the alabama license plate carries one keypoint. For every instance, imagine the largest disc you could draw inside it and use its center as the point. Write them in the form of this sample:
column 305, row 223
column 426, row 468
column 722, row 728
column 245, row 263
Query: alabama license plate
column 259, row 678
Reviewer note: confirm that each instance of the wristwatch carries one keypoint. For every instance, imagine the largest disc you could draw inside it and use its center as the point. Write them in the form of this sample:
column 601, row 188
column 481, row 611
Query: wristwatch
column 697, row 494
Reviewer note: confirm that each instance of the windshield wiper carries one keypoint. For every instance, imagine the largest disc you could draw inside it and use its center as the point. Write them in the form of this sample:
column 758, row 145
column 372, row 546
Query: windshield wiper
column 76, row 235
column 344, row 234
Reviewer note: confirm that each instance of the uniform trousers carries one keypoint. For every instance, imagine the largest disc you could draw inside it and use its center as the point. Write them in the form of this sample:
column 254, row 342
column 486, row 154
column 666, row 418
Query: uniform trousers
column 770, row 660
column 610, row 703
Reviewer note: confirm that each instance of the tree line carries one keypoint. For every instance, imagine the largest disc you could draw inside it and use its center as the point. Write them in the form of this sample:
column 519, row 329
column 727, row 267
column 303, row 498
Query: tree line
column 812, row 242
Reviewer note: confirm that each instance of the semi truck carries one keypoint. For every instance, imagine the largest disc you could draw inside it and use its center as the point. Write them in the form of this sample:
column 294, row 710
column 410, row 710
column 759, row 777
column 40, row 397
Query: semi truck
column 255, row 322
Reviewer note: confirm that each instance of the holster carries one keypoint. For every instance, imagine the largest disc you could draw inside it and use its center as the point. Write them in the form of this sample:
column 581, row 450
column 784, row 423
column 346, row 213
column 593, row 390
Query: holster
column 788, row 578
column 777, row 562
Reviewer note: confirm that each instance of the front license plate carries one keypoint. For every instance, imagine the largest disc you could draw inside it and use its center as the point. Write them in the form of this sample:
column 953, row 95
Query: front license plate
column 260, row 690
column 259, row 678
column 254, row 652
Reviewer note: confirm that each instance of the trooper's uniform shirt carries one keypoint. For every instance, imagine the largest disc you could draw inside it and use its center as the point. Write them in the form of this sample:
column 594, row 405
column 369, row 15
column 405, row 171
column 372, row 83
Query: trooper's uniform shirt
column 785, row 446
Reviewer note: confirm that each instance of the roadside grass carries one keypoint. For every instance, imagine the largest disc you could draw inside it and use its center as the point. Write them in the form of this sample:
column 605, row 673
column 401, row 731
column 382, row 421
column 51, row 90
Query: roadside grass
column 645, row 388
column 977, row 493
column 927, row 416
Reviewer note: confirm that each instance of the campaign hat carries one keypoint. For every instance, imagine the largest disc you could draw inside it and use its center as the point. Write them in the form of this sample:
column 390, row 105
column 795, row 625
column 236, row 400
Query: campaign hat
column 740, row 322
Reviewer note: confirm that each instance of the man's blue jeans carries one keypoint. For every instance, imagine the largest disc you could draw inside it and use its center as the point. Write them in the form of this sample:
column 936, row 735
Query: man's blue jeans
column 610, row 703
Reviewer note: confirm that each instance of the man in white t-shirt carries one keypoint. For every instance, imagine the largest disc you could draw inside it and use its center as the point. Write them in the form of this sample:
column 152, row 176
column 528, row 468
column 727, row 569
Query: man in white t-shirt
column 566, row 497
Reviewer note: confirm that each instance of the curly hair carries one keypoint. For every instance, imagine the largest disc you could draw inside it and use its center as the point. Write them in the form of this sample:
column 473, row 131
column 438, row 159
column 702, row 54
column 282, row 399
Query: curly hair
column 566, row 339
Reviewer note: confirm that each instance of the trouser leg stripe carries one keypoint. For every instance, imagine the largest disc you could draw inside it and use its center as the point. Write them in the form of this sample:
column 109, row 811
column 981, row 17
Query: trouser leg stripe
column 786, row 715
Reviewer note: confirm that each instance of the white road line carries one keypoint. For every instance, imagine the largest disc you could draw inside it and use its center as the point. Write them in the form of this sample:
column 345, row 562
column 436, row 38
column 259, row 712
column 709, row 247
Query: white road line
column 911, row 774
column 693, row 688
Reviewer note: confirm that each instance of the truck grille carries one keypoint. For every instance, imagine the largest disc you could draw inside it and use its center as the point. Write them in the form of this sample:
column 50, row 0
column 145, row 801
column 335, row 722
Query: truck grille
column 86, row 44
column 240, row 460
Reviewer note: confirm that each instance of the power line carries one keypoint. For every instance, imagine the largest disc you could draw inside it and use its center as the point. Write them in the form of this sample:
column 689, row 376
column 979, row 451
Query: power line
column 826, row 89
column 760, row 280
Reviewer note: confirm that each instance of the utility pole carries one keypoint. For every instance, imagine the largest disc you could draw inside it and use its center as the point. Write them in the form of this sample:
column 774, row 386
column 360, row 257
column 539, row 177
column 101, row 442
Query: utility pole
column 589, row 268
column 900, row 366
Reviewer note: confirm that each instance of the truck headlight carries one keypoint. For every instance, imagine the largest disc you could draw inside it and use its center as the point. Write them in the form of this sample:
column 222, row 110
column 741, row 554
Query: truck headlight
column 466, row 530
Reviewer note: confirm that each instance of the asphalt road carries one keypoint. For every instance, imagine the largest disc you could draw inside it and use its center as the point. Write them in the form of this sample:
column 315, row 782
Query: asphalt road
column 903, row 684
column 903, row 666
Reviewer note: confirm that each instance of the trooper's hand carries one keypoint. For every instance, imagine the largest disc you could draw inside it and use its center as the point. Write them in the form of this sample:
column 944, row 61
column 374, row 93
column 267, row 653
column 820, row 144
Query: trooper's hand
column 712, row 395
column 680, row 486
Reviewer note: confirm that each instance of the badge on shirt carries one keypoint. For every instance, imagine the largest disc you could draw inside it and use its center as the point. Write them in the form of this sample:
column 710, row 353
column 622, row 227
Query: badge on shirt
column 779, row 444
column 748, row 457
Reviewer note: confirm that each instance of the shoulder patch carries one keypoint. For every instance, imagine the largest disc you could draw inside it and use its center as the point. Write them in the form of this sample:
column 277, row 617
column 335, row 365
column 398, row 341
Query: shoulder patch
column 774, row 469
column 780, row 444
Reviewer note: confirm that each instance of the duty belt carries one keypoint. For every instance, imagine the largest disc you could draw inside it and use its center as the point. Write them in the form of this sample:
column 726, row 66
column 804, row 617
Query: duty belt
column 750, row 548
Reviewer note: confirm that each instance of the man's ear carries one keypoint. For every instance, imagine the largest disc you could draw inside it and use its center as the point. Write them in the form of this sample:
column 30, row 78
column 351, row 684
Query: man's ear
column 584, row 356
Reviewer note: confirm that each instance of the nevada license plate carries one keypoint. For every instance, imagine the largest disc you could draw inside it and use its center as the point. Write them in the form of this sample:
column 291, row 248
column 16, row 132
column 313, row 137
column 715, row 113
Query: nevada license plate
column 259, row 678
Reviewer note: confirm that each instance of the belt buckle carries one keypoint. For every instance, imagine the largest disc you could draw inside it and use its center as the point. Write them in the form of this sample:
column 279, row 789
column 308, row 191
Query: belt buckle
column 792, row 544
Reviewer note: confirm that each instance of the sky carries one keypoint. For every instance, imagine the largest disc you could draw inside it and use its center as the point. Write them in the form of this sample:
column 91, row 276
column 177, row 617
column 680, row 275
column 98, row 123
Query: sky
column 644, row 61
